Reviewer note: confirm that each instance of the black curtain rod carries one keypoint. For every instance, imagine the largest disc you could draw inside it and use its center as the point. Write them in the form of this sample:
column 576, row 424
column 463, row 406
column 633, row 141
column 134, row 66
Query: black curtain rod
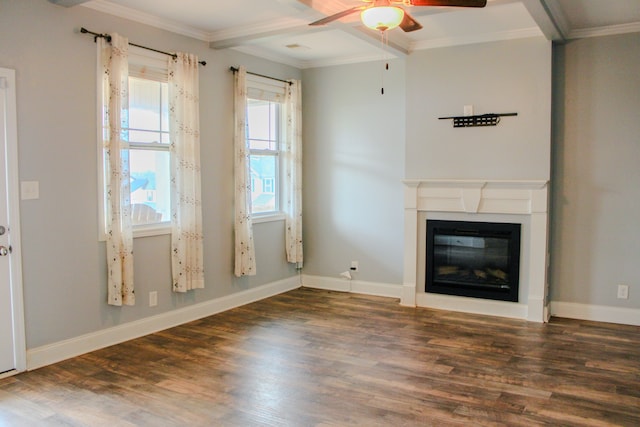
column 234, row 69
column 107, row 37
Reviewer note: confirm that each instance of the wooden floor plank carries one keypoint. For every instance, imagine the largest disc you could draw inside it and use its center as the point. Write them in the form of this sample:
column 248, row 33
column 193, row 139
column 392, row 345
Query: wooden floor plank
column 320, row 358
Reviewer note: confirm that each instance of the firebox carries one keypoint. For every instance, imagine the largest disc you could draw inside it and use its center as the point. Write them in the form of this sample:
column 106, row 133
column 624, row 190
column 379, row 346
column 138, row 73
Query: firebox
column 473, row 259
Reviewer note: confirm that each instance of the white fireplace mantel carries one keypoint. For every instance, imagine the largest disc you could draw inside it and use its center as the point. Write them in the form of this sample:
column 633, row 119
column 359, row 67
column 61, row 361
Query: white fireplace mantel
column 472, row 197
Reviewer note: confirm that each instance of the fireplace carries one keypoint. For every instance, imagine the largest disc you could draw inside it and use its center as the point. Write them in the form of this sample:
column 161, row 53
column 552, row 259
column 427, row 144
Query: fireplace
column 473, row 259
column 493, row 201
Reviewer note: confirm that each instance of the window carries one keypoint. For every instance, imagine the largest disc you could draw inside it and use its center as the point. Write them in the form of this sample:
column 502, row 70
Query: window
column 267, row 140
column 146, row 128
column 148, row 134
column 263, row 134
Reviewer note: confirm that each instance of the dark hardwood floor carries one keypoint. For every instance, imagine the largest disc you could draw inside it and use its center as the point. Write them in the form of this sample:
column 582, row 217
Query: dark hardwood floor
column 318, row 358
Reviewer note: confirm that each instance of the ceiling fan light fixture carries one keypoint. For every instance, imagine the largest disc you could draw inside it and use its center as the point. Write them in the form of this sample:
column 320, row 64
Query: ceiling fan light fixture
column 382, row 18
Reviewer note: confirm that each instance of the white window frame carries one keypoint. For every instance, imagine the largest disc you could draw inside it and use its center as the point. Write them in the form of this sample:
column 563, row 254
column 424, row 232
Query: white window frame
column 156, row 68
column 270, row 153
column 265, row 89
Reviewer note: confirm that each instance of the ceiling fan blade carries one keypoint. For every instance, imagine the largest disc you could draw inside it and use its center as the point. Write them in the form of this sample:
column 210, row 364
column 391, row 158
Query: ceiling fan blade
column 339, row 15
column 455, row 3
column 409, row 24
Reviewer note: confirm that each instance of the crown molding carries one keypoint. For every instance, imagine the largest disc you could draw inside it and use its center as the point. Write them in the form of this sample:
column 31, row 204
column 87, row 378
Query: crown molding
column 145, row 18
column 609, row 30
column 480, row 38
column 559, row 18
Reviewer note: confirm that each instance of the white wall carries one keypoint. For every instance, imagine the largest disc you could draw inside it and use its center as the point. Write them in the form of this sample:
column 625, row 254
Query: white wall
column 498, row 77
column 63, row 261
column 595, row 234
column 354, row 140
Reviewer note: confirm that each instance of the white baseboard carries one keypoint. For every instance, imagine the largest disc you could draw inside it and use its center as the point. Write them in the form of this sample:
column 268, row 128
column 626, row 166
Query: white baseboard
column 512, row 310
column 408, row 295
column 597, row 313
column 56, row 352
column 354, row 286
column 537, row 311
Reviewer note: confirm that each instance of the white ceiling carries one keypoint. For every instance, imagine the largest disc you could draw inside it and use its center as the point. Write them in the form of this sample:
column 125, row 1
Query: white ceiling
column 278, row 29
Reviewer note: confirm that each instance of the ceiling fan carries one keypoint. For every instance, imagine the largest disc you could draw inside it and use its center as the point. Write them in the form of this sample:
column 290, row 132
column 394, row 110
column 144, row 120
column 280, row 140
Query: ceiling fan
column 384, row 15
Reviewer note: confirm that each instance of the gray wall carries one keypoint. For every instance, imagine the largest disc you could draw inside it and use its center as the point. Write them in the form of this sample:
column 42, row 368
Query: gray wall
column 595, row 235
column 358, row 146
column 594, row 154
column 498, row 77
column 354, row 140
column 63, row 261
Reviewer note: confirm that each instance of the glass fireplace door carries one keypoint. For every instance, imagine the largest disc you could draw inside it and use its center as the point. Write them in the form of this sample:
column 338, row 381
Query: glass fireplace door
column 475, row 259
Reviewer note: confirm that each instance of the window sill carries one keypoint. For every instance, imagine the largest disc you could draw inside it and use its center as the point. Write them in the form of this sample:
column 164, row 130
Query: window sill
column 270, row 217
column 144, row 231
column 165, row 228
column 151, row 230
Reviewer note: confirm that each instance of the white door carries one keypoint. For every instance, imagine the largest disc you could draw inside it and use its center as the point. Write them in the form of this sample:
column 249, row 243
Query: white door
column 12, row 345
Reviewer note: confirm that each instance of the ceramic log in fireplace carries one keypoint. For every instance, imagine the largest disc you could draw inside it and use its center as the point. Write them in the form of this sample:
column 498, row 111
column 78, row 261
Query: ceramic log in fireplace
column 473, row 259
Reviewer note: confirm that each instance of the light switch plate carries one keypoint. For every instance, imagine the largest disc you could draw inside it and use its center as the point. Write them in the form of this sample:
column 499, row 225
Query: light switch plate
column 153, row 298
column 30, row 190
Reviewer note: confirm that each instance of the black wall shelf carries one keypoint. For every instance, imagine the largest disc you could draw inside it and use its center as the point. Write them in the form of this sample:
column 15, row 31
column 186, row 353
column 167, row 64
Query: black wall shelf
column 490, row 119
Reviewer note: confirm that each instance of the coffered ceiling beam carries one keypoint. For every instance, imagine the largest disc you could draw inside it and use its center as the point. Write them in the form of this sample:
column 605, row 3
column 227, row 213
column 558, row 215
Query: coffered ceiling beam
column 227, row 39
column 398, row 44
column 549, row 23
column 68, row 3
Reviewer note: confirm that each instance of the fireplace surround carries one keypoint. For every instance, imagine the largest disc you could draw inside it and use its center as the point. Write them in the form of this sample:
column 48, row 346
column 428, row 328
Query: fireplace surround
column 501, row 201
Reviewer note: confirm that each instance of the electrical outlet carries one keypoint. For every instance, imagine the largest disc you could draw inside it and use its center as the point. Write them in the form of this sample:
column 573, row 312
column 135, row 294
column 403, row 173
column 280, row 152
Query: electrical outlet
column 623, row 291
column 354, row 266
column 153, row 299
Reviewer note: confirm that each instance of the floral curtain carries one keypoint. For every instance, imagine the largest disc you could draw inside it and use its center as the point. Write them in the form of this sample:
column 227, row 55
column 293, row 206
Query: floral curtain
column 186, row 210
column 115, row 84
column 292, row 165
column 245, row 260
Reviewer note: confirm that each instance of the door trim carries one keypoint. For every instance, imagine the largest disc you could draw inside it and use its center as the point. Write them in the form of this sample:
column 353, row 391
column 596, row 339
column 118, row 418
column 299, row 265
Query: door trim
column 8, row 82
